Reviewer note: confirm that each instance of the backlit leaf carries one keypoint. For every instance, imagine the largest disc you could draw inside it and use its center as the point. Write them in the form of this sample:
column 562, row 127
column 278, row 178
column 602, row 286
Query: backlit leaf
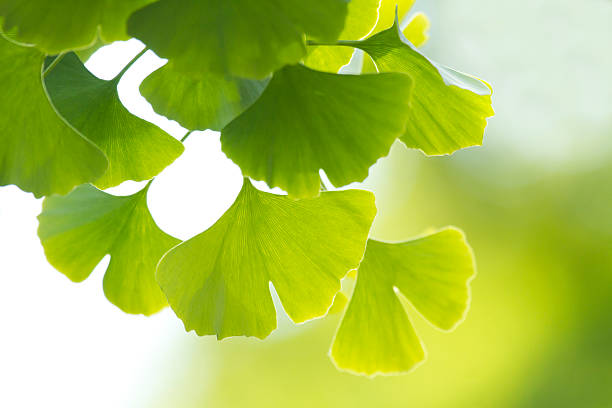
column 387, row 11
column 308, row 120
column 218, row 282
column 61, row 25
column 448, row 109
column 79, row 229
column 39, row 151
column 361, row 18
column 416, row 30
column 199, row 102
column 433, row 273
column 136, row 149
column 242, row 38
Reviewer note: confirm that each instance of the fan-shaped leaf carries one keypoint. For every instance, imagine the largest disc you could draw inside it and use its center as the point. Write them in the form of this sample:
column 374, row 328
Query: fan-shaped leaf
column 79, row 229
column 39, row 152
column 242, row 38
column 309, row 120
column 218, row 281
column 449, row 109
column 136, row 149
column 199, row 102
column 375, row 335
column 62, row 25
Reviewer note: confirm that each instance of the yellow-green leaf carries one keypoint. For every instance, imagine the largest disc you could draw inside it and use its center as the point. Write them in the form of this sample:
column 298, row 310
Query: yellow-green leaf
column 449, row 109
column 361, row 18
column 79, row 229
column 432, row 273
column 218, row 282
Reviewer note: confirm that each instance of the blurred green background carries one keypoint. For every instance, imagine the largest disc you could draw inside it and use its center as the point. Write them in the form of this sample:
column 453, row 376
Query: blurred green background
column 536, row 204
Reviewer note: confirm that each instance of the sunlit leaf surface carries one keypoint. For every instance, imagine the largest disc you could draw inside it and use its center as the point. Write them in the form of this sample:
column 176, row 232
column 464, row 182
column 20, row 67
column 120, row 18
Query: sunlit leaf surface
column 199, row 102
column 39, row 152
column 79, row 229
column 308, row 120
column 218, row 282
column 61, row 25
column 242, row 38
column 433, row 272
column 136, row 149
column 448, row 109
column 361, row 19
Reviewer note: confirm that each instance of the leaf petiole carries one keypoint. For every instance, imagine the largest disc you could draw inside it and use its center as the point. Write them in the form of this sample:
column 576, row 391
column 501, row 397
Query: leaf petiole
column 129, row 64
column 339, row 43
column 56, row 61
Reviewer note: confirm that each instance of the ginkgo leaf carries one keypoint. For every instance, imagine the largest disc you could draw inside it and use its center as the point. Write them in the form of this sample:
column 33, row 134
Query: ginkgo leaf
column 433, row 273
column 242, row 38
column 39, row 151
column 449, row 109
column 199, row 102
column 218, row 282
column 308, row 120
column 361, row 18
column 136, row 149
column 79, row 229
column 85, row 53
column 62, row 25
column 416, row 30
column 388, row 10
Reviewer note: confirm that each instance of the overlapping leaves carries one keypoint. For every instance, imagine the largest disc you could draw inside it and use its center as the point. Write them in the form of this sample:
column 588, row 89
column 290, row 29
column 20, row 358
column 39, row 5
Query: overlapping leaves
column 433, row 126
column 196, row 102
column 62, row 25
column 308, row 120
column 242, row 38
column 218, row 282
column 136, row 149
column 264, row 74
column 39, row 151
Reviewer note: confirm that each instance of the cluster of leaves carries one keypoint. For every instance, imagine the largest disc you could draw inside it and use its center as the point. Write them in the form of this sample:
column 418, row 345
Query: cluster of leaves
column 265, row 74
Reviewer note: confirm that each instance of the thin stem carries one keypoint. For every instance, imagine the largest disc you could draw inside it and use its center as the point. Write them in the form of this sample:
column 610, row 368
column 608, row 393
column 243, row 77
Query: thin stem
column 341, row 43
column 129, row 65
column 187, row 135
column 53, row 64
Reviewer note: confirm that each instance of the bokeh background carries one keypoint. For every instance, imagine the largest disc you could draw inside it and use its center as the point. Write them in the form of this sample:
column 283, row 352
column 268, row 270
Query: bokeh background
column 535, row 202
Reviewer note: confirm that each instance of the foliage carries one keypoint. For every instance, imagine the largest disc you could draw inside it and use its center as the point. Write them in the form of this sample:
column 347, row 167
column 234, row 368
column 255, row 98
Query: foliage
column 265, row 74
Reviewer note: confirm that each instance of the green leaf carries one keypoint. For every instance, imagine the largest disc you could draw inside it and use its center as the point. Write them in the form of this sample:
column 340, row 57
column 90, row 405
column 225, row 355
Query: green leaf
column 136, row 149
column 218, row 282
column 85, row 53
column 199, row 102
column 62, row 25
column 39, row 151
column 433, row 273
column 361, row 18
column 434, row 127
column 79, row 229
column 242, row 38
column 309, row 120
